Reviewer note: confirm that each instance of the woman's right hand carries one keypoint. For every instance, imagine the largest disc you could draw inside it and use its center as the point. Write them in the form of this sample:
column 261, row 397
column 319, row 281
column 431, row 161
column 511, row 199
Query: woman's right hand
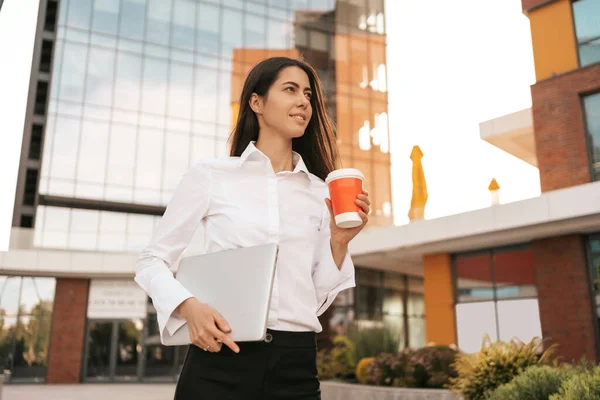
column 207, row 327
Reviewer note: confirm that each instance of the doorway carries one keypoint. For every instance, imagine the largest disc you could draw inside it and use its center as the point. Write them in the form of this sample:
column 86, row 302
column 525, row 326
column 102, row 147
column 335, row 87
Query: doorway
column 113, row 350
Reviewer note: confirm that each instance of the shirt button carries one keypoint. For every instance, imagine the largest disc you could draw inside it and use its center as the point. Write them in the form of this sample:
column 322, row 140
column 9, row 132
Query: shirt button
column 268, row 338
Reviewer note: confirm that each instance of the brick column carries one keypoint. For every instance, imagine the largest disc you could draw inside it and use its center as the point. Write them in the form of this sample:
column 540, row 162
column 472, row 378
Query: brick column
column 65, row 353
column 564, row 296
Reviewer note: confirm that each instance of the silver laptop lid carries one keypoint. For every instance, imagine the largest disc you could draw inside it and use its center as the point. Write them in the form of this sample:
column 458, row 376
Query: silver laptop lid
column 237, row 283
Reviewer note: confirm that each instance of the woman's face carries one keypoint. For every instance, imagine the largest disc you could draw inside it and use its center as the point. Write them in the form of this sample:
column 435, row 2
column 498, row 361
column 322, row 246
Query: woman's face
column 286, row 109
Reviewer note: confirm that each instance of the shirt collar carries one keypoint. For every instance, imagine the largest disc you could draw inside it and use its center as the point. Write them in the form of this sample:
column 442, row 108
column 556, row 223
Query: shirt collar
column 253, row 153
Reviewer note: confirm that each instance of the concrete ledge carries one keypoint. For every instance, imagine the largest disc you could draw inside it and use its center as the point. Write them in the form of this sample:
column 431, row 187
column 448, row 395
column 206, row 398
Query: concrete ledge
column 350, row 391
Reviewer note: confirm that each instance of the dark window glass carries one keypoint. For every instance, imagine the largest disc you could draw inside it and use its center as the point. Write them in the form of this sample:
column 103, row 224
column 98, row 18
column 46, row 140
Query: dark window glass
column 35, row 145
column 46, row 56
column 26, row 221
column 40, row 98
column 30, row 187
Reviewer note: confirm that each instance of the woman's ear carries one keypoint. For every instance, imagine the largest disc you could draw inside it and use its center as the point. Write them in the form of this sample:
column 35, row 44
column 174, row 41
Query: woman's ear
column 256, row 103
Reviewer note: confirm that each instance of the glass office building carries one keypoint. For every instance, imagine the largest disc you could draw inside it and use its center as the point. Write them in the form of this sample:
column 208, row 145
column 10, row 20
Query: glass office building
column 128, row 94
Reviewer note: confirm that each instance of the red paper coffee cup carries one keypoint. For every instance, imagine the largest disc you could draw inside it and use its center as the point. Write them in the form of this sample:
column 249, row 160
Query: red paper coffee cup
column 344, row 187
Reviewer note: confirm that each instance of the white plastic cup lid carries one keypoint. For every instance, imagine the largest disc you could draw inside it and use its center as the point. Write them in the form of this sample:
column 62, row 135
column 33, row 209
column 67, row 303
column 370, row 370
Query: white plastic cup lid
column 344, row 173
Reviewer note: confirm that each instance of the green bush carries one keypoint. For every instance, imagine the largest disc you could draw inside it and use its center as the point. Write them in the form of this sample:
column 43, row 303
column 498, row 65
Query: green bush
column 389, row 369
column 494, row 365
column 538, row 382
column 431, row 367
column 583, row 386
column 372, row 341
column 338, row 361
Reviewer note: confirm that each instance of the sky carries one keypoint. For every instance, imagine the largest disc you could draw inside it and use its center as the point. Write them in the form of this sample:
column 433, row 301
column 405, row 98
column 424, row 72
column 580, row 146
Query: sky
column 451, row 65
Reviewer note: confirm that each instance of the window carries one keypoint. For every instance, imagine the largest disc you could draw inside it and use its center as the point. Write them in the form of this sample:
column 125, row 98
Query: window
column 593, row 244
column 490, row 286
column 393, row 300
column 587, row 28
column 591, row 107
column 25, row 317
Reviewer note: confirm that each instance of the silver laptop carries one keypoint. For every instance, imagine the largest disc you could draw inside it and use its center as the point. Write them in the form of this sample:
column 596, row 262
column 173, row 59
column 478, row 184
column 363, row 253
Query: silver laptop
column 237, row 283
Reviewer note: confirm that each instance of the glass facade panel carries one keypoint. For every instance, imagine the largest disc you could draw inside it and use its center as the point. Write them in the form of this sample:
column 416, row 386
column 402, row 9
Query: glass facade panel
column 142, row 89
column 474, row 277
column 593, row 247
column 25, row 319
column 383, row 299
column 591, row 109
column 496, row 291
column 587, row 28
column 473, row 322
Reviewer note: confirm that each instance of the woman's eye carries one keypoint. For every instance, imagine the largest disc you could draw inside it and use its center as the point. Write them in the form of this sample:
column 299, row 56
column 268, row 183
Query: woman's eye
column 308, row 95
column 291, row 89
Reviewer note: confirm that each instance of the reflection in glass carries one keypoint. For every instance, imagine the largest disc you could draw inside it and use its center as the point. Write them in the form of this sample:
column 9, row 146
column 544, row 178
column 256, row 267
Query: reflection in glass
column 205, row 95
column 279, row 34
column 473, row 322
column 587, row 27
column 519, row 319
column 160, row 360
column 9, row 295
column 73, row 71
column 79, row 13
column 158, row 22
column 132, row 19
column 121, row 156
column 154, row 94
column 98, row 350
column 128, row 347
column 106, row 16
column 254, row 32
column 207, row 29
column 515, row 273
column 474, row 277
column 127, row 81
column 181, row 86
column 183, row 24
column 369, row 294
column 91, row 165
column 25, row 334
column 149, row 156
column 37, row 296
column 591, row 105
column 176, row 162
column 231, row 37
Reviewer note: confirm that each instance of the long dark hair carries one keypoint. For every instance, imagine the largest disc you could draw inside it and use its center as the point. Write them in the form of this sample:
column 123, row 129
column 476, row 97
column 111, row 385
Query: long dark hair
column 317, row 146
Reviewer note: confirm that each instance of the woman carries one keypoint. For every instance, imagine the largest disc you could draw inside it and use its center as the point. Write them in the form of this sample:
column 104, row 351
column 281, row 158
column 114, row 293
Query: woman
column 271, row 189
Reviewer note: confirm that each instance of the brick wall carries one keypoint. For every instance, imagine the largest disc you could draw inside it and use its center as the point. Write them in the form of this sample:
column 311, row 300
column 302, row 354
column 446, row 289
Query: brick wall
column 564, row 296
column 560, row 135
column 68, row 330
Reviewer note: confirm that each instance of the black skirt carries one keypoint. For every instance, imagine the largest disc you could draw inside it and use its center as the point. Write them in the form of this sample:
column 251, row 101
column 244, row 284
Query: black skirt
column 283, row 369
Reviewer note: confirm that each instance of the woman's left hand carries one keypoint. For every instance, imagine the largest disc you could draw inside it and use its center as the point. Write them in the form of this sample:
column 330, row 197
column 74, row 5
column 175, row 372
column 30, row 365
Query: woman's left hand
column 343, row 236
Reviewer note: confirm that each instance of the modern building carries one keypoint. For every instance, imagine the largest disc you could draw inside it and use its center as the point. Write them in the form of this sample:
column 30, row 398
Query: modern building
column 529, row 268
column 124, row 96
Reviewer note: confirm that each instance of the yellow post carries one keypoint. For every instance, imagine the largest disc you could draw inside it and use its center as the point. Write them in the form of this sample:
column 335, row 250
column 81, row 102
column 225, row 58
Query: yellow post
column 419, row 190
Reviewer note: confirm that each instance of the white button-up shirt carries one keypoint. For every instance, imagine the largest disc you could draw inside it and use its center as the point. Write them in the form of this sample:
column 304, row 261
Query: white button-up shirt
column 241, row 202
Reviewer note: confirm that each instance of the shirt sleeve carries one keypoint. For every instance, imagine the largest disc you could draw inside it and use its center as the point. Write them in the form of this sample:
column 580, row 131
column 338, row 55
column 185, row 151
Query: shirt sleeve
column 327, row 278
column 185, row 211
